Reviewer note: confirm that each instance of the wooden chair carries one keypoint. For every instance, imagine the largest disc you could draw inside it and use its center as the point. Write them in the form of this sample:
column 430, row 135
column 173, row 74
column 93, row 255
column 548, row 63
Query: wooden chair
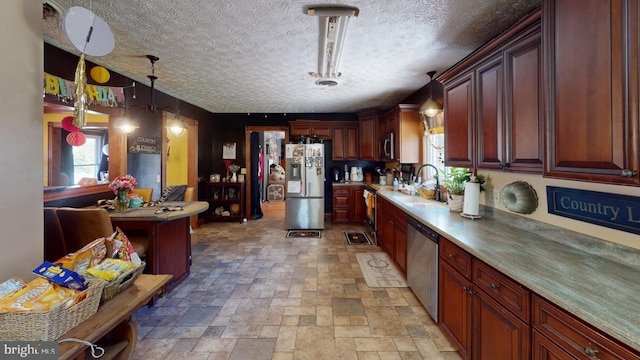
column 82, row 226
column 54, row 245
column 145, row 193
column 188, row 194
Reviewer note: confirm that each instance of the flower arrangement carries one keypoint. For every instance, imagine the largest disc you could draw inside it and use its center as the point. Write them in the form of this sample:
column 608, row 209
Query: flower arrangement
column 234, row 168
column 126, row 182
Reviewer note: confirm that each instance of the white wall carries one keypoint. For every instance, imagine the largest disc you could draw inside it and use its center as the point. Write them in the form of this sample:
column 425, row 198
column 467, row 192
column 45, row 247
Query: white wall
column 21, row 66
column 497, row 180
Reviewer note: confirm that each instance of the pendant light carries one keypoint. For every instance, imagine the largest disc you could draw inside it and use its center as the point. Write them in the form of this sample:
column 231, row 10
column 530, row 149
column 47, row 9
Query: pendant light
column 435, row 90
column 125, row 124
column 175, row 125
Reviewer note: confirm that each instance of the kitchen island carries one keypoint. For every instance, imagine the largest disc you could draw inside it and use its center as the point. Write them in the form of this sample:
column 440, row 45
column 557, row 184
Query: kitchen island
column 167, row 230
column 594, row 280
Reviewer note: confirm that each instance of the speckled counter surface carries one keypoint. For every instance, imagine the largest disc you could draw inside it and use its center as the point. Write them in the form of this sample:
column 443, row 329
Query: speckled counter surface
column 595, row 280
column 350, row 183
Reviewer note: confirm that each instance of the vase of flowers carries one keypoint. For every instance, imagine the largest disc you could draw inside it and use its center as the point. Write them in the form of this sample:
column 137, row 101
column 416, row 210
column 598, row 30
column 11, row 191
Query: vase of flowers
column 234, row 170
column 121, row 186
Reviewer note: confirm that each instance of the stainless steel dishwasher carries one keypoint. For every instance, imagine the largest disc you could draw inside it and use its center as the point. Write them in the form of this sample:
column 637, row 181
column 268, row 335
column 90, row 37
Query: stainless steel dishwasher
column 422, row 264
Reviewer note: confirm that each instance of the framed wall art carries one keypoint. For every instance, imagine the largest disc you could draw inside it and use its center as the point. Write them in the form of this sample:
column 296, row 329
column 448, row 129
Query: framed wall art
column 229, row 151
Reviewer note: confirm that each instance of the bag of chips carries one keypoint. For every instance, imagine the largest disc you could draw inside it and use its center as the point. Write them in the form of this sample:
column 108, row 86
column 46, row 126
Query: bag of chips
column 110, row 269
column 39, row 295
column 10, row 286
column 125, row 251
column 90, row 255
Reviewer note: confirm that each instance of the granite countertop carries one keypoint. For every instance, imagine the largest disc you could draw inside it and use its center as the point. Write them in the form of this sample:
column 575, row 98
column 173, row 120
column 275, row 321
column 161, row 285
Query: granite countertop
column 348, row 183
column 595, row 280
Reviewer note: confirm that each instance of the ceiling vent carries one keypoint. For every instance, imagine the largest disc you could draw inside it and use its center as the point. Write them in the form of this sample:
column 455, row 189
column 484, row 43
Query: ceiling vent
column 51, row 10
column 326, row 82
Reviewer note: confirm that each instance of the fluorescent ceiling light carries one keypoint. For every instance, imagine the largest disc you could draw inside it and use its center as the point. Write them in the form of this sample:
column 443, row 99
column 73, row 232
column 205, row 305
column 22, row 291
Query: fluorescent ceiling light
column 333, row 29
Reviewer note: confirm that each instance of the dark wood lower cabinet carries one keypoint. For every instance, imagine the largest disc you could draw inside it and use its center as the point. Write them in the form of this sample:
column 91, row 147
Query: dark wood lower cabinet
column 545, row 349
column 455, row 308
column 477, row 322
column 497, row 333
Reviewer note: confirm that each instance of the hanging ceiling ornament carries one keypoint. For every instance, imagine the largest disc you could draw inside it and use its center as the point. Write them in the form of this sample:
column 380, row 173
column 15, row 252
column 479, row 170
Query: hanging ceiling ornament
column 80, row 102
column 76, row 138
column 67, row 124
column 92, row 36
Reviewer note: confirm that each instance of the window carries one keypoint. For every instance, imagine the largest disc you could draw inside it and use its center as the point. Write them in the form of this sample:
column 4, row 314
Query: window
column 86, row 158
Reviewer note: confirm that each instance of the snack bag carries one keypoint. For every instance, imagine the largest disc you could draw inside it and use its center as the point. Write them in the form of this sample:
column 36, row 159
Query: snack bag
column 126, row 251
column 10, row 286
column 110, row 269
column 38, row 295
column 90, row 255
column 61, row 275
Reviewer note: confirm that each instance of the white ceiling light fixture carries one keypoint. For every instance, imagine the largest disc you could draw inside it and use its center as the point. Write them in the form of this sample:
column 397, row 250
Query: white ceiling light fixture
column 334, row 20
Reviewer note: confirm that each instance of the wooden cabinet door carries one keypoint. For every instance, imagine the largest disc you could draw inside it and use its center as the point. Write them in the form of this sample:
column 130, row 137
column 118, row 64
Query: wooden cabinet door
column 489, row 120
column 339, row 138
column 400, row 239
column 385, row 233
column 298, row 130
column 358, row 209
column 545, row 349
column 497, row 333
column 458, row 121
column 351, row 143
column 321, row 131
column 368, row 136
column 592, row 77
column 341, row 204
column 454, row 304
column 409, row 135
column 523, row 105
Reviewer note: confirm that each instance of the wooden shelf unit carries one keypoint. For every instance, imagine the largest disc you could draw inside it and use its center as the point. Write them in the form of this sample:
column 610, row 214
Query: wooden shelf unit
column 224, row 195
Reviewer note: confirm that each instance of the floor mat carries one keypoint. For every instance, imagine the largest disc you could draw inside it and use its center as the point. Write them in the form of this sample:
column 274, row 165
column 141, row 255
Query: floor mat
column 304, row 234
column 357, row 238
column 379, row 270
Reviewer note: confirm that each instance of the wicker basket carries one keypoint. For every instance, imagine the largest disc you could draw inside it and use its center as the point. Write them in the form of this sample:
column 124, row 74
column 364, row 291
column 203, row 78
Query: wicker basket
column 49, row 325
column 120, row 283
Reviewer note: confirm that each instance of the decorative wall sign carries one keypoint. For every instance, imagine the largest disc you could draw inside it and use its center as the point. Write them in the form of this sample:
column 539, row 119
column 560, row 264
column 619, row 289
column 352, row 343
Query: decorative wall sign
column 621, row 212
column 57, row 88
column 229, row 151
column 144, row 145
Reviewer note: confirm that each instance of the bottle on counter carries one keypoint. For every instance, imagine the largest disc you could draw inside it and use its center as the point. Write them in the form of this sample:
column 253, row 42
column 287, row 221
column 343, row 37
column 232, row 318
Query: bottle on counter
column 395, row 184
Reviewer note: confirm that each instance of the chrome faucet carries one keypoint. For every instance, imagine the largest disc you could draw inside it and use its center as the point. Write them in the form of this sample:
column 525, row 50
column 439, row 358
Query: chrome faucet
column 437, row 179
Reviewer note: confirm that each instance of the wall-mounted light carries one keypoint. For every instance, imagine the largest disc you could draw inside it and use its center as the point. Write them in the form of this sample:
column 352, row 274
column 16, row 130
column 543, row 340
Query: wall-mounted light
column 126, row 125
column 333, row 29
column 435, row 90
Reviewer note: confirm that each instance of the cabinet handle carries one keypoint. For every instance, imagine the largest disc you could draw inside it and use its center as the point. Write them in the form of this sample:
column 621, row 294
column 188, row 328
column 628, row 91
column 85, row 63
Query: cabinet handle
column 494, row 286
column 503, row 165
column 471, row 292
column 451, row 256
column 626, row 173
column 591, row 352
column 465, row 289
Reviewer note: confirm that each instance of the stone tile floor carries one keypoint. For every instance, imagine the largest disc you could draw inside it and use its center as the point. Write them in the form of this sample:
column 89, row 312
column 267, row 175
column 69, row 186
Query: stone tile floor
column 255, row 294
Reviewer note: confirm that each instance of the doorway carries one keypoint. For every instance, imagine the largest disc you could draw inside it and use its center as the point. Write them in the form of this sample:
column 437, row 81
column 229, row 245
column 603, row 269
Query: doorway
column 256, row 192
column 180, row 157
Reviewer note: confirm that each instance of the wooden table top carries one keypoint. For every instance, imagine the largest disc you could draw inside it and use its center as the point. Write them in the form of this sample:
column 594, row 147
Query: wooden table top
column 149, row 213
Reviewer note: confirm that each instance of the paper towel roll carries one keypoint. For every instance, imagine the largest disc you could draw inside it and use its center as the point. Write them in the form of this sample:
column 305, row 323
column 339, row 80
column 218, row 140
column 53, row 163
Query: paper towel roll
column 471, row 198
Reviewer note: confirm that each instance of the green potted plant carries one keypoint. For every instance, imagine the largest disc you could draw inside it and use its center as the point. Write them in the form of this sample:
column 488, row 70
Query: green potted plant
column 454, row 183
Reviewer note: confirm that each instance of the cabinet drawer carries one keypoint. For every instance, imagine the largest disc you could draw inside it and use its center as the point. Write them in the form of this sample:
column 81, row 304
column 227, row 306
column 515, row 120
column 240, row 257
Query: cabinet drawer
column 456, row 257
column 503, row 289
column 340, row 200
column 573, row 335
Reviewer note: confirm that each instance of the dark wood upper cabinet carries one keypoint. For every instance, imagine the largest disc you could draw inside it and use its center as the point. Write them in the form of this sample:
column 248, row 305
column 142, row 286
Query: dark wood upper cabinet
column 489, row 119
column 591, row 73
column 493, row 103
column 459, row 121
column 368, row 136
column 523, row 111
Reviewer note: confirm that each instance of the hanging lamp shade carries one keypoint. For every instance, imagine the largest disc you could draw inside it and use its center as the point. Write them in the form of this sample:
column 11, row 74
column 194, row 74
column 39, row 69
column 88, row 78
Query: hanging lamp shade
column 435, row 90
column 76, row 138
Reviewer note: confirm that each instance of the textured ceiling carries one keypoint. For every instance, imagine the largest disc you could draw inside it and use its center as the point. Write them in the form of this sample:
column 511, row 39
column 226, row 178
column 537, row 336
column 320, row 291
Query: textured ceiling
column 237, row 56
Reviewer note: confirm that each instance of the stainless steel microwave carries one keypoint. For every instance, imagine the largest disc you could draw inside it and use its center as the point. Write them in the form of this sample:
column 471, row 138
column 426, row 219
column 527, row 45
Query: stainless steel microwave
column 387, row 147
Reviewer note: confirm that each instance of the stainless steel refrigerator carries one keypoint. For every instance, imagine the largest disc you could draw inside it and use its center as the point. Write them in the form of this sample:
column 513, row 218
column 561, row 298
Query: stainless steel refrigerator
column 305, row 179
